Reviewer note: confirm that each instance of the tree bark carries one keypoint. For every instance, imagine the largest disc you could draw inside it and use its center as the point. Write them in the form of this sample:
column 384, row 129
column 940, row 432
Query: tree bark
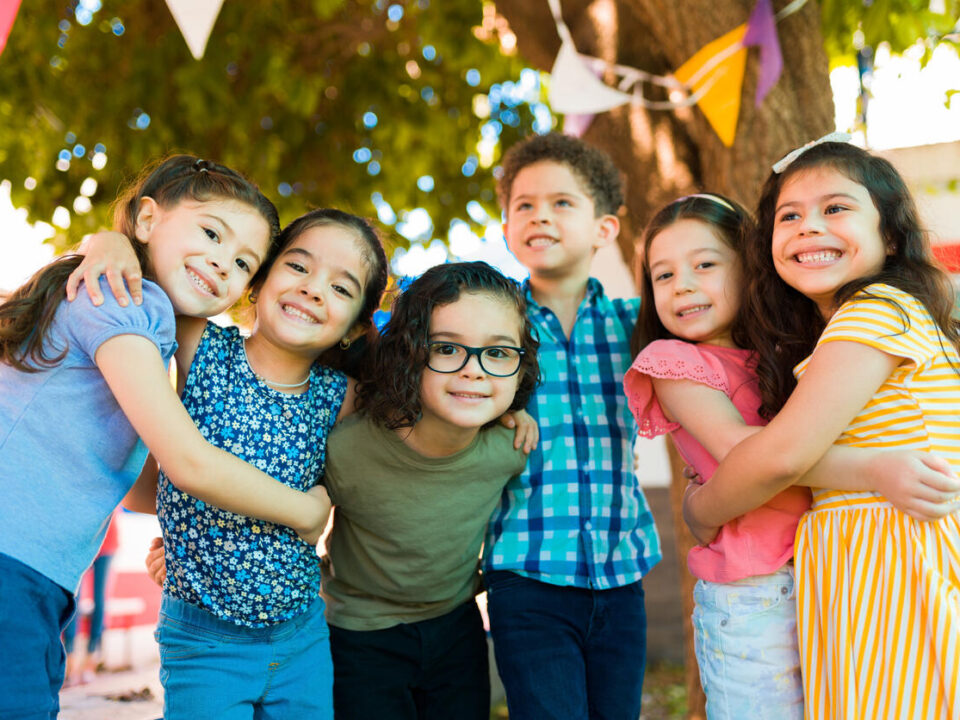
column 664, row 155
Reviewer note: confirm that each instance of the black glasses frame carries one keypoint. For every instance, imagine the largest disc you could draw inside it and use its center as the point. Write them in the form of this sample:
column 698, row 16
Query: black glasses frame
column 478, row 351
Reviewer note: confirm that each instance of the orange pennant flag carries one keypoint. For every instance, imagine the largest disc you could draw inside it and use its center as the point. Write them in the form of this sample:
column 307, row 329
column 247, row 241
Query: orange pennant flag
column 716, row 70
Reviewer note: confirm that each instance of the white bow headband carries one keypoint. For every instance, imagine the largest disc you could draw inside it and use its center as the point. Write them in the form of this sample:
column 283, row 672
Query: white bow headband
column 783, row 163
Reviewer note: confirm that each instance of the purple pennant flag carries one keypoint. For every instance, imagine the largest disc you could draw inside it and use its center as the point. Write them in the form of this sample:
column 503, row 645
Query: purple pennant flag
column 762, row 32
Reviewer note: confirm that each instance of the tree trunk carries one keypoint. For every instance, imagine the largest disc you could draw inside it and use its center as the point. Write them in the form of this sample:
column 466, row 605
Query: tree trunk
column 664, row 155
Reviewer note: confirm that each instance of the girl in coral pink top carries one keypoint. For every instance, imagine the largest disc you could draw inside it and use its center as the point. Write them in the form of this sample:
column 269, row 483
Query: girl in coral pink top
column 695, row 378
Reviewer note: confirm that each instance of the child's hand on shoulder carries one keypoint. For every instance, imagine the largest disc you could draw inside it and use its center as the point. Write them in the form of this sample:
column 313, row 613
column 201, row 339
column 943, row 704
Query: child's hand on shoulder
column 918, row 484
column 108, row 253
column 527, row 433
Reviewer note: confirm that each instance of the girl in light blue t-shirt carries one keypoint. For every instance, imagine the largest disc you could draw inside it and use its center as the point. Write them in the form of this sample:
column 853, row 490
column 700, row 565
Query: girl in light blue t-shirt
column 79, row 382
column 241, row 627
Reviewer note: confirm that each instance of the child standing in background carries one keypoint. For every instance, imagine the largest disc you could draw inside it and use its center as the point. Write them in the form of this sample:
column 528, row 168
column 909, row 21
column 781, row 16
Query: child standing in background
column 413, row 478
column 80, row 383
column 694, row 378
column 99, row 578
column 241, row 629
column 841, row 255
column 573, row 534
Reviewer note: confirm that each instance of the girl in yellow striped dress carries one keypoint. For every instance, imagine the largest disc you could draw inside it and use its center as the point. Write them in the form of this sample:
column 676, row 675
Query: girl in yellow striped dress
column 878, row 589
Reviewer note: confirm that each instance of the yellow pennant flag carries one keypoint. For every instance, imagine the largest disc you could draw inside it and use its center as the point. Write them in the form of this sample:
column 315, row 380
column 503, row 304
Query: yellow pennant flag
column 717, row 70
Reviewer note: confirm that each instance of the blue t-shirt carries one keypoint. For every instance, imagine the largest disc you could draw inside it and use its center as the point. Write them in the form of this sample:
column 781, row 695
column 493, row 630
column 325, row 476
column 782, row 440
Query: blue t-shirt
column 247, row 571
column 68, row 454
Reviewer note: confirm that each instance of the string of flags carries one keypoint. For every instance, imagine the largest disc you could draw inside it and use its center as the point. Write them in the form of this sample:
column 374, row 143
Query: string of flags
column 711, row 79
column 195, row 18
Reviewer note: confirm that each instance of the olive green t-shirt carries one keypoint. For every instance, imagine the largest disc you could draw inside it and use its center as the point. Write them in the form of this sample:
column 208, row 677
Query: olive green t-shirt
column 407, row 529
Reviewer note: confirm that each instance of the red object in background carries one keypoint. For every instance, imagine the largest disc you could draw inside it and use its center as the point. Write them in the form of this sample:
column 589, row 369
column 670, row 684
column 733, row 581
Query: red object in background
column 134, row 585
column 949, row 256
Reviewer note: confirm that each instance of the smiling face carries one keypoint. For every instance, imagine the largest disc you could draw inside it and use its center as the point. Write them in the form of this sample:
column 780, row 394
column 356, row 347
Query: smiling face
column 552, row 227
column 313, row 294
column 696, row 282
column 826, row 233
column 203, row 254
column 469, row 398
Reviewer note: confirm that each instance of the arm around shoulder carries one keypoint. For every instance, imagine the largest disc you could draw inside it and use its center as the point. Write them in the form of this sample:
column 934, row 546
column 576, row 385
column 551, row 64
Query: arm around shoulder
column 135, row 373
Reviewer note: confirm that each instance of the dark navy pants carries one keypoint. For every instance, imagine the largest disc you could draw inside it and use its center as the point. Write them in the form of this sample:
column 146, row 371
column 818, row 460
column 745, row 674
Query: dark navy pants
column 568, row 653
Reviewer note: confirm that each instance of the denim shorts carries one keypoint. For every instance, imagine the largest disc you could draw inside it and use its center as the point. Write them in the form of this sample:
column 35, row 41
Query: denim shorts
column 745, row 636
column 213, row 668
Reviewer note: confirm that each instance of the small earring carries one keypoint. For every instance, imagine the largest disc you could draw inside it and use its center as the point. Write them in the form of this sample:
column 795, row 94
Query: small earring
column 345, row 343
column 253, row 298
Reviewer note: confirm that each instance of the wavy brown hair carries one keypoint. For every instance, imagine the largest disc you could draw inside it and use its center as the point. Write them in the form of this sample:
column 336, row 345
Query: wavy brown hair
column 390, row 393
column 26, row 316
column 729, row 221
column 783, row 323
column 349, row 360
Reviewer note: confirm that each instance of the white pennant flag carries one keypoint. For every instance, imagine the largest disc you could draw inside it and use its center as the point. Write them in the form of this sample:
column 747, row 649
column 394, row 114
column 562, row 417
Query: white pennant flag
column 574, row 89
column 195, row 18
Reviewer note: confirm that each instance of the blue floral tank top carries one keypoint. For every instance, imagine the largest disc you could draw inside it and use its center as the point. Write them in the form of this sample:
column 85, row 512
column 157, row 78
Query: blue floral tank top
column 247, row 571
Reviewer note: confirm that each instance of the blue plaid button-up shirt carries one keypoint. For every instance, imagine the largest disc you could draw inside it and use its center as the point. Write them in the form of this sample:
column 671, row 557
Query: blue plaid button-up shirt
column 577, row 516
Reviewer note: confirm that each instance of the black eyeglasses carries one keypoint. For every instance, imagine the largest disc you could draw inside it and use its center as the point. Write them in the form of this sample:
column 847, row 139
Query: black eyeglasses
column 496, row 360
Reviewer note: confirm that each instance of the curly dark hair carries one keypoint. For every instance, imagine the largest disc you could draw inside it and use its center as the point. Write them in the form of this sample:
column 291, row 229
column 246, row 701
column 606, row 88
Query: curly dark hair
column 390, row 393
column 349, row 360
column 592, row 167
column 783, row 323
column 729, row 221
column 27, row 314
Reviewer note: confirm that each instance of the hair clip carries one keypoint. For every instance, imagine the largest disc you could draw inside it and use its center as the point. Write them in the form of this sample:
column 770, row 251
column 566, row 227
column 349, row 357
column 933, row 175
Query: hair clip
column 709, row 196
column 783, row 163
column 202, row 165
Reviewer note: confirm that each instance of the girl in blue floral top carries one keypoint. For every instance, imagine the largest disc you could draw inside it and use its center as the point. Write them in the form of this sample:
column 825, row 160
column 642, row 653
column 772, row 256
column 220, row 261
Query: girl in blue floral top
column 241, row 630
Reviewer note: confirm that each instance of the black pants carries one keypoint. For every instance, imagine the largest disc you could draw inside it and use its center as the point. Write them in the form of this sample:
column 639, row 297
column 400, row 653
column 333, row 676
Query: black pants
column 431, row 670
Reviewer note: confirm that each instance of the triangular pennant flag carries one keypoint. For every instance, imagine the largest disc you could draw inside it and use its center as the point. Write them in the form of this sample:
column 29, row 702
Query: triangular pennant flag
column 762, row 32
column 721, row 101
column 8, row 11
column 195, row 18
column 574, row 89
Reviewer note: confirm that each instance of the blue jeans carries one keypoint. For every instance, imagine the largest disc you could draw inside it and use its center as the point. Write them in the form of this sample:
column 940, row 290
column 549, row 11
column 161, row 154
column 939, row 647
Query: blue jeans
column 100, row 572
column 566, row 653
column 33, row 612
column 745, row 637
column 212, row 668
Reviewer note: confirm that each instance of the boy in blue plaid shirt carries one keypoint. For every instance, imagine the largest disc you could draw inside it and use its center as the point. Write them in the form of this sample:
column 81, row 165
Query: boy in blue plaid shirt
column 573, row 535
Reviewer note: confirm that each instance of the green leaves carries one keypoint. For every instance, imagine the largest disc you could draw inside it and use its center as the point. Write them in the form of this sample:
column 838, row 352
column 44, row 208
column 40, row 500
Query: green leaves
column 281, row 94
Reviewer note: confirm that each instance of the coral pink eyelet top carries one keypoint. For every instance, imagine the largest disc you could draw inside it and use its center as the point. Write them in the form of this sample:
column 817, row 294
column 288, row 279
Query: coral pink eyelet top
column 761, row 541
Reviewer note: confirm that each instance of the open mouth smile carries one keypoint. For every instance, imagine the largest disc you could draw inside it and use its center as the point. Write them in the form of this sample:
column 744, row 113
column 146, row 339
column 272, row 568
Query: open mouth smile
column 299, row 314
column 818, row 257
column 692, row 310
column 201, row 283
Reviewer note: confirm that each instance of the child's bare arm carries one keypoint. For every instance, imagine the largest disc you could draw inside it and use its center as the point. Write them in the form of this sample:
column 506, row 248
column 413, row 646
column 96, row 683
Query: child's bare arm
column 919, row 484
column 839, row 381
column 142, row 497
column 108, row 253
column 135, row 374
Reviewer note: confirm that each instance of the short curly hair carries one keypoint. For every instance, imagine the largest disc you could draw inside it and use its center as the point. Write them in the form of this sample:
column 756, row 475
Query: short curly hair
column 594, row 169
column 390, row 391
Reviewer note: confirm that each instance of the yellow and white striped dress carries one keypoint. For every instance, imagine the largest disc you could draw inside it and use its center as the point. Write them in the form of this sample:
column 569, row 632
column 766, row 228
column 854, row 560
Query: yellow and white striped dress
column 878, row 593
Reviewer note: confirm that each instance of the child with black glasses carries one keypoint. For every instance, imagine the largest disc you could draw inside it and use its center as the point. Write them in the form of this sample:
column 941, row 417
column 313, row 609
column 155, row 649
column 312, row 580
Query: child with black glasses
column 414, row 477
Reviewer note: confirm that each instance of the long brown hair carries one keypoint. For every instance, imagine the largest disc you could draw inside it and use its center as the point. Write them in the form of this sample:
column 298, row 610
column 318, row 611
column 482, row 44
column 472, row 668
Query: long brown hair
column 783, row 323
column 26, row 316
column 729, row 221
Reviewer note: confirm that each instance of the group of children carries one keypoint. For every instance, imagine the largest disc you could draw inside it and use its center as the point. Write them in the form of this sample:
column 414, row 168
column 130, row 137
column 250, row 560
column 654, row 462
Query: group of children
column 402, row 434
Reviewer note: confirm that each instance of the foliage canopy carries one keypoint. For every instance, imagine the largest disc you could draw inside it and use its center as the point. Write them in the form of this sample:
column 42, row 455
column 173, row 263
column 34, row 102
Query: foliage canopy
column 322, row 102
